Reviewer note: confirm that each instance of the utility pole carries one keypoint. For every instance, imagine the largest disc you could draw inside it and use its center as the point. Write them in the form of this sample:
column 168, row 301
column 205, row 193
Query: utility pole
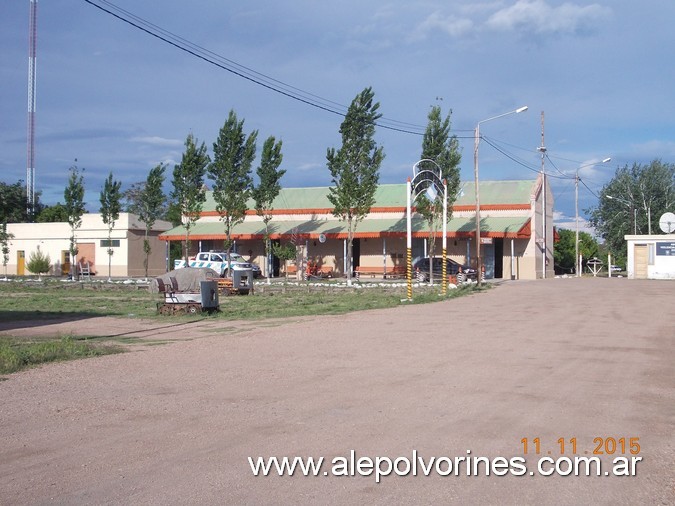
column 577, row 263
column 542, row 150
column 30, row 162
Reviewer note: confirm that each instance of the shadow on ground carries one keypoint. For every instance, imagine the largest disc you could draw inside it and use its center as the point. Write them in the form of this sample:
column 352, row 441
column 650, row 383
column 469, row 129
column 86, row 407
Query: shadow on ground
column 10, row 320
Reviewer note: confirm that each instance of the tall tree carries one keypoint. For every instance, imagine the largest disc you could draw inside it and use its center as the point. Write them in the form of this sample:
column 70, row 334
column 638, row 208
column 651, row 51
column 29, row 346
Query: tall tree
column 355, row 167
column 564, row 252
column 269, row 186
column 13, row 203
column 147, row 200
column 188, row 185
column 73, row 197
column 443, row 149
column 233, row 155
column 5, row 239
column 111, row 205
column 52, row 214
column 632, row 202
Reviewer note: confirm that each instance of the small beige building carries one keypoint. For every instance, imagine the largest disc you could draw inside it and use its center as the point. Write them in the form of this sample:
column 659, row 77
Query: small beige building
column 92, row 244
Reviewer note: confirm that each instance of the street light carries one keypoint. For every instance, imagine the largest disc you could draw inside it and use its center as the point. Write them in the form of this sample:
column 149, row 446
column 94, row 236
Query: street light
column 476, row 140
column 577, row 262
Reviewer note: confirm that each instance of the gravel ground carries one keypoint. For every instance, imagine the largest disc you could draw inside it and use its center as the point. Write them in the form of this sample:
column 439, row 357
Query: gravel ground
column 175, row 423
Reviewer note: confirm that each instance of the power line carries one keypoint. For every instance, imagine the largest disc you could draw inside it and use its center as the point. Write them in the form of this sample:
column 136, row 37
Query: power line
column 243, row 71
column 513, row 158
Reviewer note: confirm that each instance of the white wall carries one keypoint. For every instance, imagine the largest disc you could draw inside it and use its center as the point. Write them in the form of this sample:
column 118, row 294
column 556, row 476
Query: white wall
column 661, row 257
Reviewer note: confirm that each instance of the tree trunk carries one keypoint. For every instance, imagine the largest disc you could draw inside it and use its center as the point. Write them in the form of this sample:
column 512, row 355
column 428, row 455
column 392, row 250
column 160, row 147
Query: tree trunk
column 350, row 237
column 268, row 252
column 146, row 250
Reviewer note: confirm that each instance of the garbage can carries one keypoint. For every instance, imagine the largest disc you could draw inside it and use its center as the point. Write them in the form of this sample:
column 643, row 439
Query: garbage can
column 209, row 293
column 242, row 280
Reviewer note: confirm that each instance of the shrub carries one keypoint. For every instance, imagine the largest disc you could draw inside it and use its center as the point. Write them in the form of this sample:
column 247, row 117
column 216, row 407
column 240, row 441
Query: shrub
column 38, row 263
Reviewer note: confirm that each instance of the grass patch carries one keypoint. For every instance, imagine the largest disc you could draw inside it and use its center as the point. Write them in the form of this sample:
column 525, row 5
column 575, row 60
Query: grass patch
column 35, row 302
column 17, row 354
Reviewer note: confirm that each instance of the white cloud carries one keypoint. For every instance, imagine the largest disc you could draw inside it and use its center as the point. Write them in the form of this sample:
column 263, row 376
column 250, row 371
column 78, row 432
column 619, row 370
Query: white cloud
column 560, row 220
column 157, row 141
column 453, row 26
column 537, row 16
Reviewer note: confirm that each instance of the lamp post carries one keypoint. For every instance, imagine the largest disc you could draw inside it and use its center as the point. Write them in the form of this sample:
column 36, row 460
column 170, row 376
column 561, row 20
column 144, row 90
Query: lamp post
column 476, row 141
column 577, row 261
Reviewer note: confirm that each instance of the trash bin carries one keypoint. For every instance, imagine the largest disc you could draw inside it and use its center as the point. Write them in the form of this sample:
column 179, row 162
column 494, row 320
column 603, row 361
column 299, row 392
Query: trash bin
column 242, row 280
column 209, row 294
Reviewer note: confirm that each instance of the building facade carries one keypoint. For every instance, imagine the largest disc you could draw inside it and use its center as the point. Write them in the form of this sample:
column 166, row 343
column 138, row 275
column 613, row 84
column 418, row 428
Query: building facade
column 126, row 243
column 516, row 241
column 651, row 256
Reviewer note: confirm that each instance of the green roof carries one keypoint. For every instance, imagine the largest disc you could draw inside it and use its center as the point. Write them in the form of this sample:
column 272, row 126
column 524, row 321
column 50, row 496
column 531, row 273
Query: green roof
column 500, row 226
column 394, row 195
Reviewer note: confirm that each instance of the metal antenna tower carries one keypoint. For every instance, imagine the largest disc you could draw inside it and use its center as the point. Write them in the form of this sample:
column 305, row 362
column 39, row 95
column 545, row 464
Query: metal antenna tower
column 30, row 165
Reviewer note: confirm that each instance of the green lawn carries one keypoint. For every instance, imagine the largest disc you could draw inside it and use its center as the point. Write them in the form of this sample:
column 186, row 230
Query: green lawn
column 22, row 302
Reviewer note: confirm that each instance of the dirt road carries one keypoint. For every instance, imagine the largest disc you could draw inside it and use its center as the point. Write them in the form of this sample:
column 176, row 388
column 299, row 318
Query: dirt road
column 176, row 423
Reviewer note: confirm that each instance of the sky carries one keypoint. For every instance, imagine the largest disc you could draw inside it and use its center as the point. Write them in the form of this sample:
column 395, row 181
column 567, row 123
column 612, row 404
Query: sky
column 111, row 97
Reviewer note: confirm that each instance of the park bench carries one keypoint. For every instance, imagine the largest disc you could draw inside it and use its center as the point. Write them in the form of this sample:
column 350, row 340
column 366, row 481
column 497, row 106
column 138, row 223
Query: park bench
column 395, row 271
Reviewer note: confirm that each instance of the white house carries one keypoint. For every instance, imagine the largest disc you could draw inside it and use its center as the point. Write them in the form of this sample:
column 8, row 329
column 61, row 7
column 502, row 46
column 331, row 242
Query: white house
column 92, row 244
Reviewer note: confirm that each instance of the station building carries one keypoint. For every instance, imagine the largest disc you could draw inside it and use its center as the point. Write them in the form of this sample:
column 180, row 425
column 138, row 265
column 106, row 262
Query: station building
column 516, row 236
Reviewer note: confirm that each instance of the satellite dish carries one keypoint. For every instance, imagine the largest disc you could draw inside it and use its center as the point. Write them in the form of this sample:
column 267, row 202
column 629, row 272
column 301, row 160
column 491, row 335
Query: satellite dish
column 322, row 238
column 667, row 223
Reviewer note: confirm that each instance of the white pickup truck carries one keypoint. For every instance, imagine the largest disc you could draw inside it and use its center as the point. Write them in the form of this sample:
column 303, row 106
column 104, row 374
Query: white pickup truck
column 217, row 260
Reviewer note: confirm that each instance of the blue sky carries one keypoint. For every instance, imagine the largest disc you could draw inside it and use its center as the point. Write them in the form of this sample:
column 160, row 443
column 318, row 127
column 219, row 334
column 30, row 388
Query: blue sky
column 117, row 99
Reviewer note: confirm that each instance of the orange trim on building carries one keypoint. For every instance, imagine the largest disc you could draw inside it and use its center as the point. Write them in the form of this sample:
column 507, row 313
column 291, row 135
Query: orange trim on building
column 524, row 233
column 393, row 209
column 493, row 207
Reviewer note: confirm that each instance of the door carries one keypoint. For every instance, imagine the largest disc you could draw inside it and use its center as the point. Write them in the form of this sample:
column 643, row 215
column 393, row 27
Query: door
column 356, row 254
column 276, row 264
column 20, row 263
column 65, row 262
column 641, row 256
column 499, row 258
column 489, row 260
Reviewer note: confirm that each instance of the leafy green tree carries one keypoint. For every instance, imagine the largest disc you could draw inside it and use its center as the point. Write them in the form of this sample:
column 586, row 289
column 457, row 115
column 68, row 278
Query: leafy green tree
column 355, row 167
column 284, row 253
column 564, row 251
column 634, row 196
column 111, row 205
column 39, row 263
column 443, row 149
column 147, row 200
column 5, row 239
column 13, row 203
column 53, row 214
column 268, row 189
column 73, row 197
column 233, row 155
column 188, row 185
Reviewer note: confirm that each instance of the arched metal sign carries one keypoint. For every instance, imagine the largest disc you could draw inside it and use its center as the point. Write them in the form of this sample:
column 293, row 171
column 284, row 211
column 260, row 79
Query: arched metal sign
column 427, row 180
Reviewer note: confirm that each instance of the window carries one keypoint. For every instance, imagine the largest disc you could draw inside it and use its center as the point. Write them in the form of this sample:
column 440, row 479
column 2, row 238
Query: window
column 113, row 243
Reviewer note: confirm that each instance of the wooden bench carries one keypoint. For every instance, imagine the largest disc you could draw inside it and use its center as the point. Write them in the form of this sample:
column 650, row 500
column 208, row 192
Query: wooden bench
column 323, row 271
column 395, row 271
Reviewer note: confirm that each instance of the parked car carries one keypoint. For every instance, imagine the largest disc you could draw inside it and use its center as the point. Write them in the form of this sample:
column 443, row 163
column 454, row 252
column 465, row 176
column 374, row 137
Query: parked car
column 217, row 260
column 421, row 269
